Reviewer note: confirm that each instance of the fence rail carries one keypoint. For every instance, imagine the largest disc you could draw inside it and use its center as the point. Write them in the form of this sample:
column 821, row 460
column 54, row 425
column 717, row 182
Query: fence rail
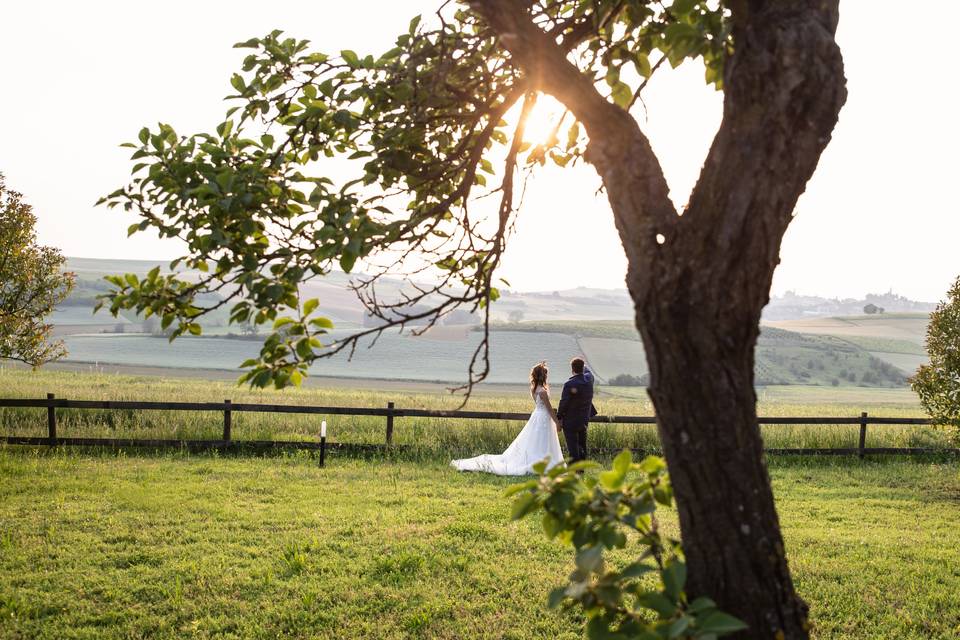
column 51, row 403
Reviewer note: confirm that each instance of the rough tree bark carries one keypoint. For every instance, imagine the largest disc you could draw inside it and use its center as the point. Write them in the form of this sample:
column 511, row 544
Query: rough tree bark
column 700, row 280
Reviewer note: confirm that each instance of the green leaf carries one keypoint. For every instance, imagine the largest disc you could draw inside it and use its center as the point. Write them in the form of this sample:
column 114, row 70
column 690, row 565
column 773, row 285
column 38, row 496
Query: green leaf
column 556, row 597
column 657, row 602
column 322, row 323
column 642, row 63
column 517, row 488
column 347, row 261
column 279, row 322
column 637, row 569
column 612, row 480
column 623, row 461
column 674, row 578
column 350, row 57
column 719, row 622
column 701, row 604
column 551, row 526
column 590, row 559
column 678, row 627
column 599, row 629
column 652, row 464
column 524, row 504
column 583, row 465
column 310, row 305
column 622, row 94
column 683, row 7
column 304, row 350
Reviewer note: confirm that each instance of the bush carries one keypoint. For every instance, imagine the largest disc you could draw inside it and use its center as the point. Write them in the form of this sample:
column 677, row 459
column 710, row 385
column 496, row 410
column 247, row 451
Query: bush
column 627, row 380
column 594, row 515
column 938, row 383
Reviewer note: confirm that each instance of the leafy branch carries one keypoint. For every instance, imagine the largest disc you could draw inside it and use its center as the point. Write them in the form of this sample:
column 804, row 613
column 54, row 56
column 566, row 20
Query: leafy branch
column 596, row 514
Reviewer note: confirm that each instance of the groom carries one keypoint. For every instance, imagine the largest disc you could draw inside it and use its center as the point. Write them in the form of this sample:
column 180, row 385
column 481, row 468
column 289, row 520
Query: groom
column 576, row 408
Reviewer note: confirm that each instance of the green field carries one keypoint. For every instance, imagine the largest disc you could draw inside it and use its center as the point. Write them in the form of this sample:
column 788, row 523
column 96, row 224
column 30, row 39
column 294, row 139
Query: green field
column 783, row 357
column 171, row 546
column 429, row 438
column 398, row 357
column 134, row 544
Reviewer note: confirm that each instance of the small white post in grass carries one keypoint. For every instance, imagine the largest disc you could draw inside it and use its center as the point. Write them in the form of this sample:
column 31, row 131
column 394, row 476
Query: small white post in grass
column 323, row 441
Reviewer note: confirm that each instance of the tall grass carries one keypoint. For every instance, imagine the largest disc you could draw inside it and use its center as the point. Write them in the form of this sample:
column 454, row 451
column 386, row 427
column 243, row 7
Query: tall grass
column 429, row 437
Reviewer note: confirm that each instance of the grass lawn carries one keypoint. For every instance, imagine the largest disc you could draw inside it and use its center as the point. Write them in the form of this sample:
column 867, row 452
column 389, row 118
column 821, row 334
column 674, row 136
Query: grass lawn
column 135, row 546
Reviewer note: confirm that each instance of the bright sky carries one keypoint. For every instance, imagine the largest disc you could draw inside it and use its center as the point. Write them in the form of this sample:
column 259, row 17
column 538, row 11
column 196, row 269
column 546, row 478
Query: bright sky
column 881, row 212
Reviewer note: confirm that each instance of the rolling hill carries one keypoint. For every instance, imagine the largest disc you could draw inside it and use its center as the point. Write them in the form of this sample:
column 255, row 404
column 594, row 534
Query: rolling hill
column 875, row 351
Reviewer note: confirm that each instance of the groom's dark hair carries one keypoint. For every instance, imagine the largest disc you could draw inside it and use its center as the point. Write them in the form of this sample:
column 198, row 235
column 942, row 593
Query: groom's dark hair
column 577, row 365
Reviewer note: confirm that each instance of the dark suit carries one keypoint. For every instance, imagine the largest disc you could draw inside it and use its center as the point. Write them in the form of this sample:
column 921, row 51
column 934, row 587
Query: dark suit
column 574, row 411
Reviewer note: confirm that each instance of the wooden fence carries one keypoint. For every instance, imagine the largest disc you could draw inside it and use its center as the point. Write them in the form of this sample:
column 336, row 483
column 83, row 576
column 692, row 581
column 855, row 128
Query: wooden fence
column 390, row 413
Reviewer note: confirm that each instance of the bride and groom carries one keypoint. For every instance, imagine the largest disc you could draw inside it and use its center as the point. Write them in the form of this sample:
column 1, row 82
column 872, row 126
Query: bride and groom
column 539, row 437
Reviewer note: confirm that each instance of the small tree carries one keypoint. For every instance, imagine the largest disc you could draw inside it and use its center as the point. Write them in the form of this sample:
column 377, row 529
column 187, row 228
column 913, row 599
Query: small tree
column 595, row 515
column 938, row 383
column 32, row 283
column 515, row 316
column 626, row 380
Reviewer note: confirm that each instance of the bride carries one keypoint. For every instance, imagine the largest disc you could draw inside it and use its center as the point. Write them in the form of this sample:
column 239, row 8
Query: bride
column 536, row 441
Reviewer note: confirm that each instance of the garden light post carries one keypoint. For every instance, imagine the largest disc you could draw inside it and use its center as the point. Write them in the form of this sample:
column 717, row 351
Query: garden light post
column 323, row 441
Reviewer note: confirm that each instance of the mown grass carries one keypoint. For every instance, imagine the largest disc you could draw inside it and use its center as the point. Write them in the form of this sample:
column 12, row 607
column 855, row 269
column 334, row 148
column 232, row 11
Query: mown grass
column 170, row 546
column 425, row 437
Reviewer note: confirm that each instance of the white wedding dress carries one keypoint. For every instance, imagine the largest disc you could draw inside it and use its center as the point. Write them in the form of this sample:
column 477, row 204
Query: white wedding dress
column 536, row 441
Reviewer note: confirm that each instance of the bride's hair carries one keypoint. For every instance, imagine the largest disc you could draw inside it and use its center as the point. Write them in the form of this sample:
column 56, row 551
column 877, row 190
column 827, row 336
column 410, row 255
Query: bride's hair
column 538, row 376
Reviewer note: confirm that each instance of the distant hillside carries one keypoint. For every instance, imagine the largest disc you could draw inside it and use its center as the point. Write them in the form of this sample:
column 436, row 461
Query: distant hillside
column 792, row 306
column 782, row 358
column 579, row 304
column 877, row 350
column 342, row 305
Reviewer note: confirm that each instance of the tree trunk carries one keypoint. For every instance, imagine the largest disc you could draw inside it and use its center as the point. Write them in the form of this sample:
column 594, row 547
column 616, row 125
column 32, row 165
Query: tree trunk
column 702, row 389
column 700, row 280
column 700, row 289
column 699, row 304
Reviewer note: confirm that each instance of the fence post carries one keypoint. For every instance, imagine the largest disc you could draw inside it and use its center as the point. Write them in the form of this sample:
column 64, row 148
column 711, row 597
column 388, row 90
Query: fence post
column 227, row 419
column 863, row 435
column 51, row 420
column 389, row 423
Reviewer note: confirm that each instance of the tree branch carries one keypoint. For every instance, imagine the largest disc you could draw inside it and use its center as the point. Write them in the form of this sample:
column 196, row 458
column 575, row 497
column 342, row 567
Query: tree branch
column 618, row 149
column 784, row 88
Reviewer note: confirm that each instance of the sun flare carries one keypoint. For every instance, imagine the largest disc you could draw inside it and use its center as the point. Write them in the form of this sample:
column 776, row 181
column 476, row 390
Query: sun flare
column 543, row 120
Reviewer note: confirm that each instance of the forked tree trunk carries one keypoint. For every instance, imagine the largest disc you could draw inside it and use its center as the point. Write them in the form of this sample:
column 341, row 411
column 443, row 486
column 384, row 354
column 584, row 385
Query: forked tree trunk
column 699, row 281
column 698, row 309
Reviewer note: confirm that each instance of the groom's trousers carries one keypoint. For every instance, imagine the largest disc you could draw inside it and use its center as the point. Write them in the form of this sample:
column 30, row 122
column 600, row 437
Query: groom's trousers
column 576, row 438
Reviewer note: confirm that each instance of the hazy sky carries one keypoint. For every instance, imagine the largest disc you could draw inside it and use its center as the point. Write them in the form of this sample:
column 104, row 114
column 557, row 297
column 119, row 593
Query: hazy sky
column 881, row 212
